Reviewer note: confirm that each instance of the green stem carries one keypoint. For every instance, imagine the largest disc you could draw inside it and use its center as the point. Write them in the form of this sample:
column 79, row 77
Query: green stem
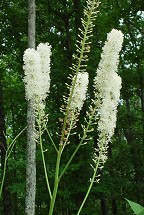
column 80, row 143
column 92, row 180
column 4, row 172
column 45, row 171
column 10, row 147
column 56, row 183
column 71, row 158
column 51, row 138
column 67, row 137
column 43, row 158
column 8, row 152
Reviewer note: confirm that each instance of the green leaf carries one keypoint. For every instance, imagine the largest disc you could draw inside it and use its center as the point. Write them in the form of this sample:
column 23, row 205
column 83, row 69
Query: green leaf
column 142, row 212
column 138, row 209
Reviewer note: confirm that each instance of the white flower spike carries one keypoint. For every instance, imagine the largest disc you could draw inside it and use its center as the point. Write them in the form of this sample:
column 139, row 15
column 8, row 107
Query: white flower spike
column 37, row 74
column 79, row 93
column 107, row 83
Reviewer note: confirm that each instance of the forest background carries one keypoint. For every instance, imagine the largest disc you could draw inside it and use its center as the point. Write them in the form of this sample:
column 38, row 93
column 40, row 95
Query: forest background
column 57, row 22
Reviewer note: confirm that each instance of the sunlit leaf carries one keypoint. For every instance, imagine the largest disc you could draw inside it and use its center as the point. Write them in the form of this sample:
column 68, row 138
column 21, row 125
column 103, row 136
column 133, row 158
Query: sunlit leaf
column 138, row 209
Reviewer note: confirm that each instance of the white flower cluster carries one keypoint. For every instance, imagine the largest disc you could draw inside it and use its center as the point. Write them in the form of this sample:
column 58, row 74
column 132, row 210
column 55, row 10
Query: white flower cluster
column 79, row 92
column 108, row 84
column 37, row 73
column 108, row 104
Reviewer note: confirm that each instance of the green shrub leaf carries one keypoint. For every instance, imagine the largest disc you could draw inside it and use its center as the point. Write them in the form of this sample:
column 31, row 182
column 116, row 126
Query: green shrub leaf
column 142, row 212
column 138, row 209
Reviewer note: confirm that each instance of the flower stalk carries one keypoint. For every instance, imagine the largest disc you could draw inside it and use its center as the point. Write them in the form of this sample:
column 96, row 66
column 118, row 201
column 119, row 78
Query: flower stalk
column 82, row 50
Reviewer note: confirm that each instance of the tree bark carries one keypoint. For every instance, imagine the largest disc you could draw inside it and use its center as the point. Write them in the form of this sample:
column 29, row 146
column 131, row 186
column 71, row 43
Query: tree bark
column 114, row 206
column 104, row 208
column 31, row 23
column 31, row 162
column 7, row 210
column 31, row 143
column 141, row 93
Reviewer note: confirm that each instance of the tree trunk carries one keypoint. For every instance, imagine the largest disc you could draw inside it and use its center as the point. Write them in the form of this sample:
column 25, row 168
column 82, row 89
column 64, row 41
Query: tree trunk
column 31, row 23
column 31, row 143
column 3, row 147
column 104, row 208
column 114, row 206
column 141, row 92
column 31, row 162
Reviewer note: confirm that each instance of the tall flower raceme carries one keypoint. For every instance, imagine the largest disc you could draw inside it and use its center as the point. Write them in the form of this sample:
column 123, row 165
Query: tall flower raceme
column 37, row 74
column 107, row 86
column 44, row 51
column 32, row 71
column 81, row 56
column 79, row 92
column 75, row 102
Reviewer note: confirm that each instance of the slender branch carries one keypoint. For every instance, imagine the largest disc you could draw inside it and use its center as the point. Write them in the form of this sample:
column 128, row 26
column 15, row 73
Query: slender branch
column 92, row 180
column 44, row 164
column 52, row 203
column 81, row 142
column 51, row 138
column 3, row 178
column 10, row 147
column 70, row 160
column 45, row 170
column 67, row 137
column 8, row 152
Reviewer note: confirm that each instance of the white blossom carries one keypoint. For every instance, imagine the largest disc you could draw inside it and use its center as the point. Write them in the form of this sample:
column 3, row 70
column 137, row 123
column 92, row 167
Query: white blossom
column 37, row 74
column 109, row 96
column 107, row 86
column 32, row 71
column 44, row 50
column 79, row 92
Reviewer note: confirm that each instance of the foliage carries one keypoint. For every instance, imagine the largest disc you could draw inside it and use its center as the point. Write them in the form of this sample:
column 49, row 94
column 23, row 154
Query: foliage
column 137, row 209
